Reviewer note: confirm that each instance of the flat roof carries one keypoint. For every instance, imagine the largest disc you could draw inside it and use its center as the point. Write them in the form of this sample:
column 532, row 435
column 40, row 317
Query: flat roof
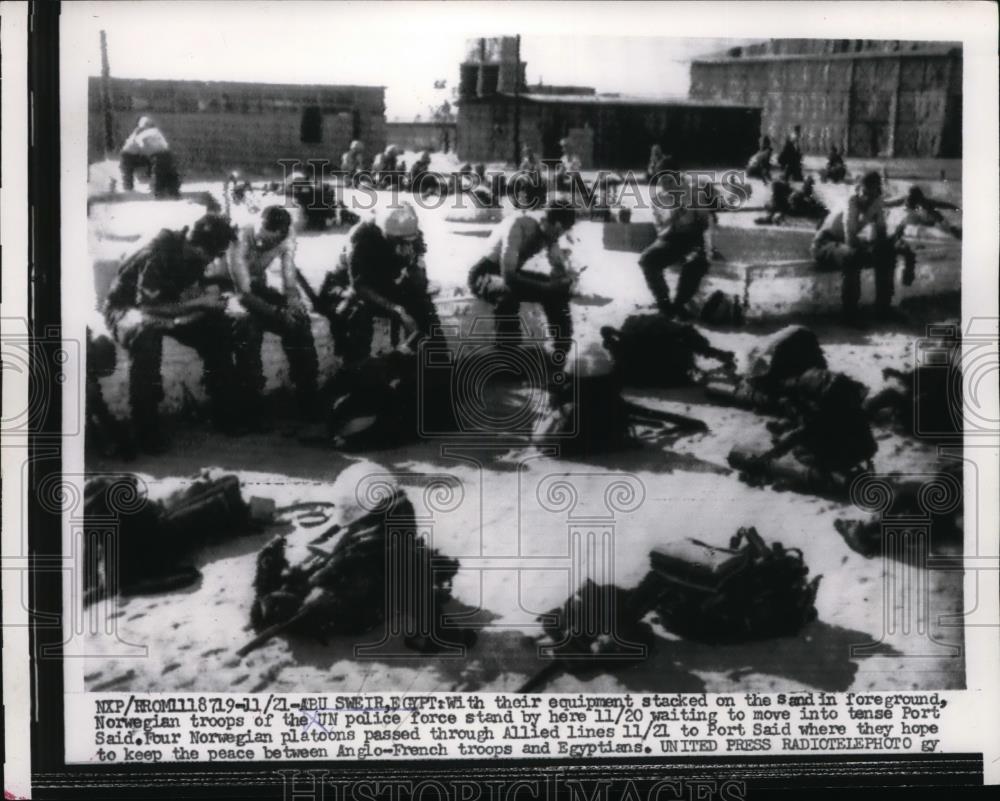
column 930, row 50
column 609, row 99
column 223, row 85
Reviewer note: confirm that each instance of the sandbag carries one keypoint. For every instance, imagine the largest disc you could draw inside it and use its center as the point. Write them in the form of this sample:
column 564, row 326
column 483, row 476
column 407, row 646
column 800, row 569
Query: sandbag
column 742, row 592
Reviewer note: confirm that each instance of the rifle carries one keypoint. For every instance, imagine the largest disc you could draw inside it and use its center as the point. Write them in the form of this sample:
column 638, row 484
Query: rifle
column 639, row 601
column 307, row 289
column 682, row 422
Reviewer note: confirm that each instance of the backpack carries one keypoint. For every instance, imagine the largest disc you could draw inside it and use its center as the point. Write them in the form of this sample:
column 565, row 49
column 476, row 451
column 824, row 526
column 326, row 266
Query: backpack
column 590, row 415
column 743, row 592
column 722, row 309
column 836, row 428
column 586, row 416
column 651, row 351
column 785, row 354
column 117, row 517
column 154, row 538
column 204, row 509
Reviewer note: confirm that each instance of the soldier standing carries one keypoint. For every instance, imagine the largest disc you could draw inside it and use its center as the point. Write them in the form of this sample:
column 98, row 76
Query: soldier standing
column 790, row 158
column 146, row 147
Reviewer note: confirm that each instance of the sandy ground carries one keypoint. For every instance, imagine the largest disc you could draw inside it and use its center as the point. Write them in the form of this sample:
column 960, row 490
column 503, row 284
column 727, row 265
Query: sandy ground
column 688, row 491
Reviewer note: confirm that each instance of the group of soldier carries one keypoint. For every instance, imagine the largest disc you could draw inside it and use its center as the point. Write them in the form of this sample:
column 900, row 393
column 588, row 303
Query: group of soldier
column 206, row 285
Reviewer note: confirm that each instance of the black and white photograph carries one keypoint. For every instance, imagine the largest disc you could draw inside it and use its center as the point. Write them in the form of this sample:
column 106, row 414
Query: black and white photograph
column 425, row 352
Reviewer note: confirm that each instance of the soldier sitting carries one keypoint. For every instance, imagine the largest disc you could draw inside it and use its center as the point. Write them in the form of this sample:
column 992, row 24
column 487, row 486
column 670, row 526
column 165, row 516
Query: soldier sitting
column 839, row 245
column 380, row 273
column 685, row 237
column 785, row 202
column 159, row 291
column 353, row 159
column 919, row 210
column 283, row 311
column 421, row 180
column 499, row 276
column 835, row 170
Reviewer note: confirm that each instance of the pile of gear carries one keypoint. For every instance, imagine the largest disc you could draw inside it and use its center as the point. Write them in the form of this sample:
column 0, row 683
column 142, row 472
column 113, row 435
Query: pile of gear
column 934, row 500
column 587, row 412
column 357, row 576
column 651, row 350
column 926, row 399
column 746, row 591
column 822, row 438
column 743, row 592
column 151, row 541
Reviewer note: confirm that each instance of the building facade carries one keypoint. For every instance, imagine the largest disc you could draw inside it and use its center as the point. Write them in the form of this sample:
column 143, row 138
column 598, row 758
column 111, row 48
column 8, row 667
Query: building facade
column 870, row 98
column 498, row 113
column 215, row 127
column 613, row 132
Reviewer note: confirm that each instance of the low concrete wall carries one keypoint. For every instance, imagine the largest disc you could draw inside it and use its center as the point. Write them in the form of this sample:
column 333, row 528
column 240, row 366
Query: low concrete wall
column 781, row 279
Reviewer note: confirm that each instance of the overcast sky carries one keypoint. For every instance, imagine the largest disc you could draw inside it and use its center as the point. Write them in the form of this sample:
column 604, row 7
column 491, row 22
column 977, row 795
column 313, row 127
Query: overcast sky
column 405, row 47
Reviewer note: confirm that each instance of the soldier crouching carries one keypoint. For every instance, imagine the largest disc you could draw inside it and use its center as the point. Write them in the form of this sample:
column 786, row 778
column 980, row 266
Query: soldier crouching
column 380, row 273
column 158, row 292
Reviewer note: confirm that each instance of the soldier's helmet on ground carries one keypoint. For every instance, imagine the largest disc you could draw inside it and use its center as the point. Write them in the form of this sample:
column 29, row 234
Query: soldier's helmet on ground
column 366, row 488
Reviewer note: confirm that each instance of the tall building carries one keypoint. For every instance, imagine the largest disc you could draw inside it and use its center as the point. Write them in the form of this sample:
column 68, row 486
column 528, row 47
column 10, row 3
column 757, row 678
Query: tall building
column 871, row 98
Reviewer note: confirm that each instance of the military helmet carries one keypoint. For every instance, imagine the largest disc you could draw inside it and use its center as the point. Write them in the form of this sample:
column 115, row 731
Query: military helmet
column 213, row 232
column 401, row 222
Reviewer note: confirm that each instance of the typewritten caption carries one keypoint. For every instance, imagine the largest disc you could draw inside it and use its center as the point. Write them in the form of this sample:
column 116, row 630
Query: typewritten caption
column 186, row 727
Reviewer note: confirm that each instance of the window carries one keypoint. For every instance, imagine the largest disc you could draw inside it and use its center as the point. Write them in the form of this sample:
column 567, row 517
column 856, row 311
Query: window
column 312, row 126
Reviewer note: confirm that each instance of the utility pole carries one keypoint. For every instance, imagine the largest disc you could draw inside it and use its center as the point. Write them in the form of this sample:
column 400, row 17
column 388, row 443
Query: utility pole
column 517, row 100
column 109, row 132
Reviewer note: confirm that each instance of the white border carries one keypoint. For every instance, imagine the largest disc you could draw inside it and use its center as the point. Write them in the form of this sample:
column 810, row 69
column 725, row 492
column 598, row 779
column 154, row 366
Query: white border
column 13, row 236
column 972, row 23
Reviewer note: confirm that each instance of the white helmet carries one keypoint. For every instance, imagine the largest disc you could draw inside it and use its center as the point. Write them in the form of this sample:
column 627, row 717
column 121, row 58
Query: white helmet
column 401, row 222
